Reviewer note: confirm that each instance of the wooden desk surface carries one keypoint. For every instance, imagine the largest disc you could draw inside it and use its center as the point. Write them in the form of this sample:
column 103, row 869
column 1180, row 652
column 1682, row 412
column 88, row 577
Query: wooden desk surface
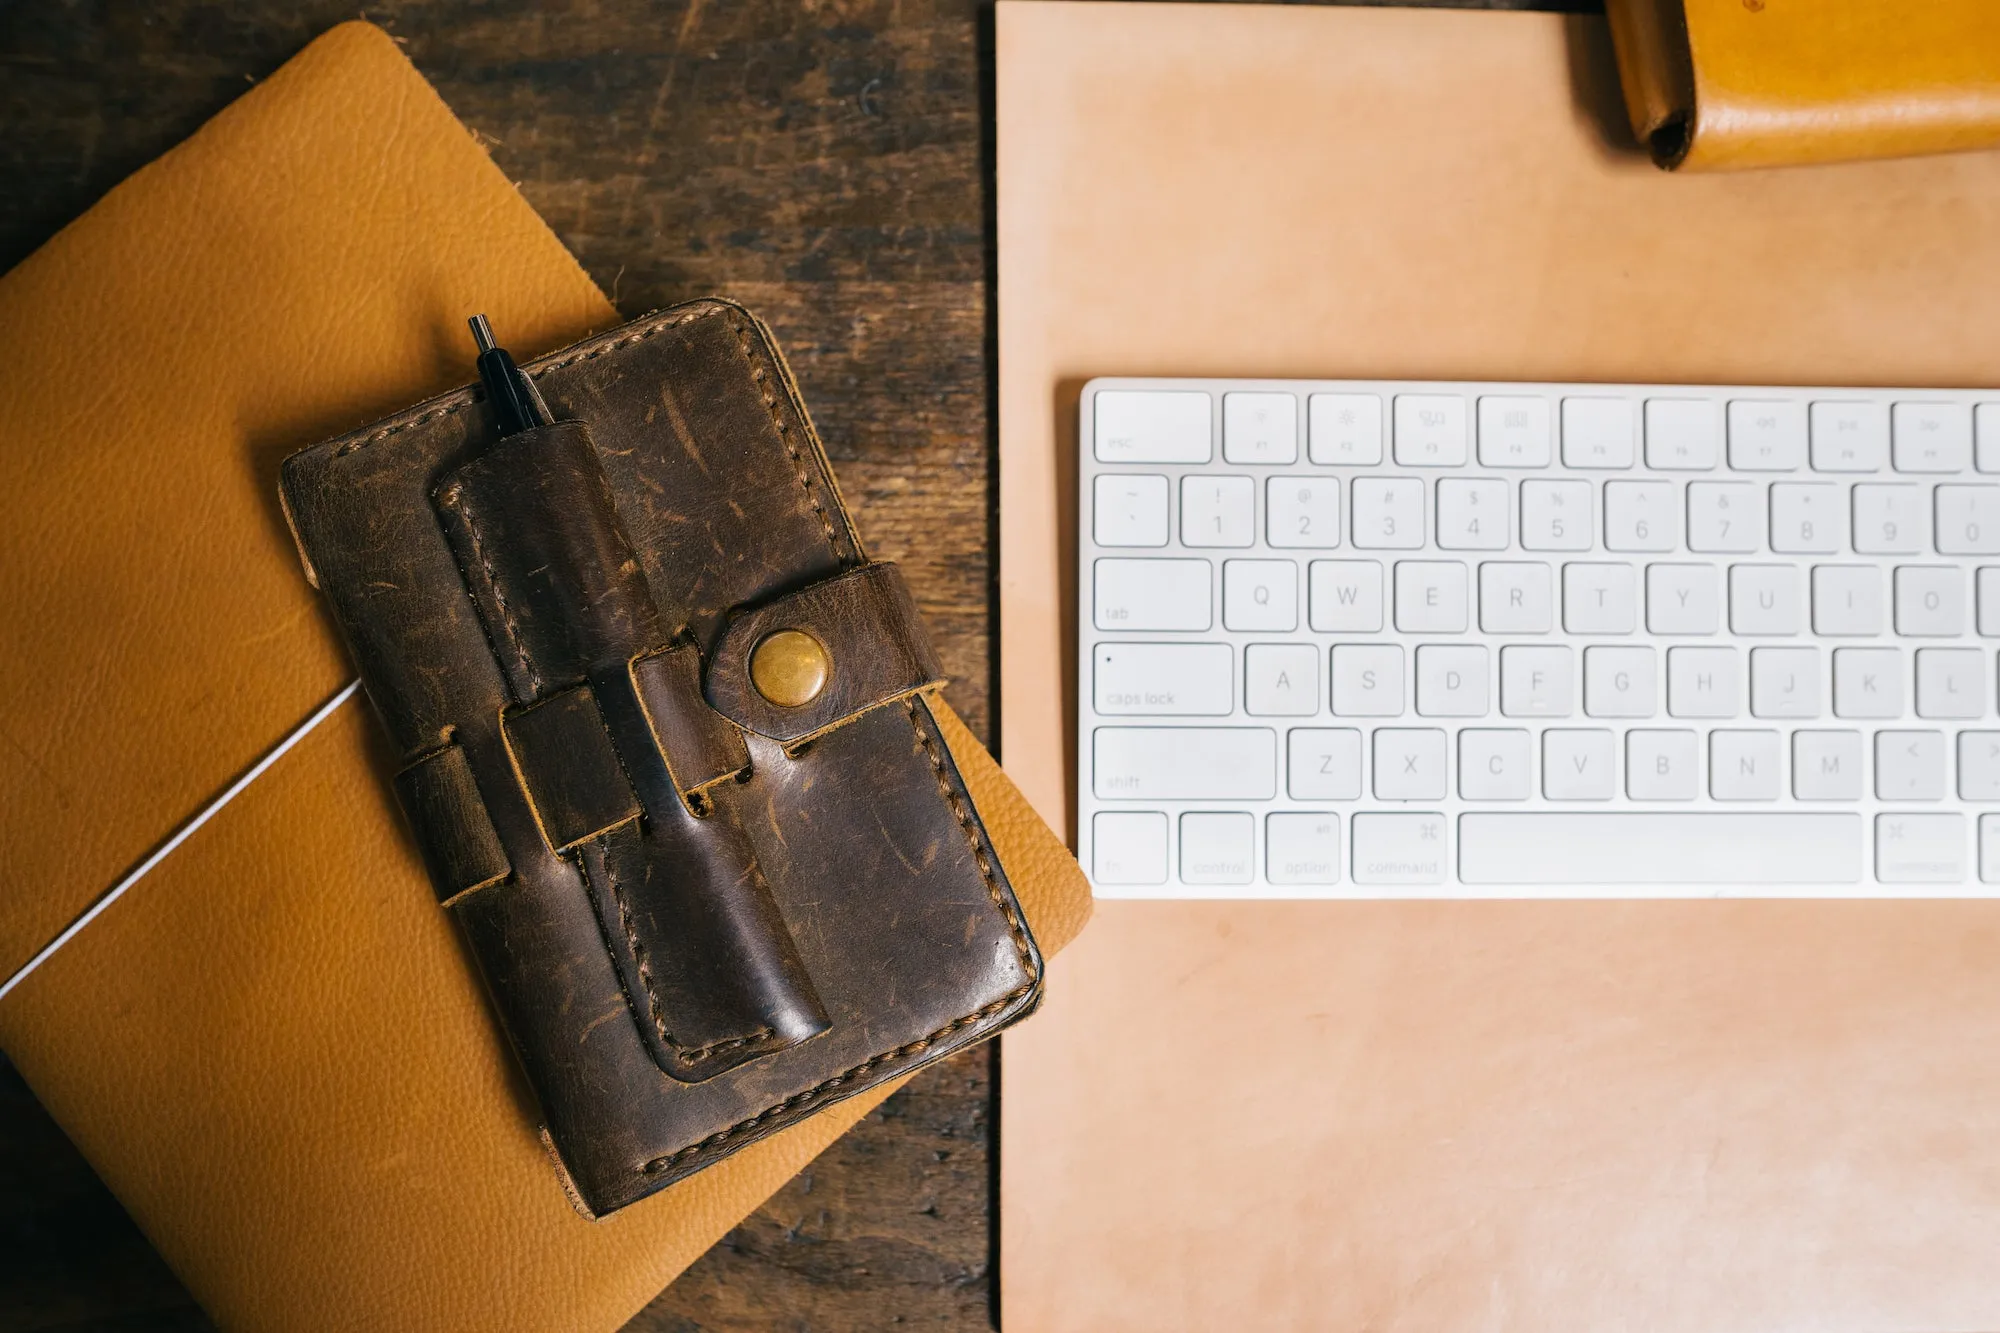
column 829, row 165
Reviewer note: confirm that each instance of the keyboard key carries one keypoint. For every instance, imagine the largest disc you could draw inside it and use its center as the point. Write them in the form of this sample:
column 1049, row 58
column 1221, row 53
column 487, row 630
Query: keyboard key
column 1968, row 520
column 1518, row 598
column 1556, row 515
column 1951, row 683
column 1579, row 764
column 1302, row 848
column 1784, row 682
column 1599, row 599
column 1932, row 437
column 1807, row 518
column 1431, row 597
column 1909, row 765
column 1704, row 683
column 1930, row 601
column 1537, row 682
column 1281, row 680
column 1218, row 511
column 1847, row 600
column 1989, row 849
column 1767, row 435
column 1890, row 519
column 1641, row 516
column 1725, row 517
column 1400, row 850
column 1850, row 436
column 1323, row 764
column 1260, row 428
column 1260, row 595
column 1826, row 765
column 1344, row 596
column 1989, row 602
column 1683, row 599
column 1979, row 765
column 1184, row 763
column 1662, row 765
column 1151, row 426
column 1513, row 431
column 1367, row 680
column 1151, row 594
column 1659, row 847
column 1162, row 679
column 1920, row 849
column 1743, row 765
column 1451, row 681
column 1409, row 764
column 1598, row 432
column 1388, row 513
column 1494, row 764
column 1472, row 514
column 1218, row 848
column 1682, row 434
column 1986, row 437
column 1868, row 682
column 1430, row 430
column 1129, row 511
column 1344, row 429
column 1302, row 511
column 1764, row 599
column 1128, row 847
column 1619, row 682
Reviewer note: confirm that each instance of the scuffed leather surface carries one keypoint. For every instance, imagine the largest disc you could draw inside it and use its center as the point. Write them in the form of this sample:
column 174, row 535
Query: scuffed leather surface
column 875, row 644
column 850, row 876
column 1721, row 84
column 276, row 1051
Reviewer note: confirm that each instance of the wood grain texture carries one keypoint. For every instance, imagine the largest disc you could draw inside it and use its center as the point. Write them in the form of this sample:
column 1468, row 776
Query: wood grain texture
column 825, row 162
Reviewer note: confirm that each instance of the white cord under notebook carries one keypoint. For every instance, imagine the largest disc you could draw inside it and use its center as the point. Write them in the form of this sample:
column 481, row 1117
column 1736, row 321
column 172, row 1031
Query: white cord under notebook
column 180, row 835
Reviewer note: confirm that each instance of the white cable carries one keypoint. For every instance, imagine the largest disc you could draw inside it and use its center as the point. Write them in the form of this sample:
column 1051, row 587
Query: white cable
column 181, row 835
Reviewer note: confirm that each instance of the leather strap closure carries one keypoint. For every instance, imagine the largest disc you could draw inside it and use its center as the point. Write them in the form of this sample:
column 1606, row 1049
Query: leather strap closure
column 701, row 746
column 874, row 644
column 569, row 768
column 460, row 847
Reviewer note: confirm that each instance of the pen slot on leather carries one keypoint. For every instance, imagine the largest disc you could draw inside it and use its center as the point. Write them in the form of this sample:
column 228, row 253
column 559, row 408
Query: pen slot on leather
column 610, row 725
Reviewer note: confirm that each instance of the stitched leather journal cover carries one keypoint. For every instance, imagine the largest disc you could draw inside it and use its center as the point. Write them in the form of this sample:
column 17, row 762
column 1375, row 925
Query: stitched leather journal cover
column 276, row 1049
column 665, row 735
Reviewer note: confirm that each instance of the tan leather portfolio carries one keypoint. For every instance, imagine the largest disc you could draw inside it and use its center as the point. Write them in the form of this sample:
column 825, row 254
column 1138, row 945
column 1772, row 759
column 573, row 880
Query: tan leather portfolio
column 275, row 1048
column 1436, row 1116
column 1715, row 84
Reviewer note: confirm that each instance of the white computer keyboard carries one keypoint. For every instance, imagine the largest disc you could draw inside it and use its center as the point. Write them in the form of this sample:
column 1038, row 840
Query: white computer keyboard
column 1382, row 639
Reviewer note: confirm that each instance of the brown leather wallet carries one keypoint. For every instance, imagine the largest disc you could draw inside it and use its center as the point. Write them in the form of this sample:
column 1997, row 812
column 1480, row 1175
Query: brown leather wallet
column 667, row 743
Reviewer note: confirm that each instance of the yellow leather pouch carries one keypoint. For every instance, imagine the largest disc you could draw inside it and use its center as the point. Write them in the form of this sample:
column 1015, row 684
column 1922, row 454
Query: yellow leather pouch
column 274, row 1048
column 1716, row 84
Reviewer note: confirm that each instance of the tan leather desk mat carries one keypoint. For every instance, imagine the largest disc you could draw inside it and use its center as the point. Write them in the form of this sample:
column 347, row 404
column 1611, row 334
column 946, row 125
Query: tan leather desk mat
column 1438, row 1116
column 274, row 1049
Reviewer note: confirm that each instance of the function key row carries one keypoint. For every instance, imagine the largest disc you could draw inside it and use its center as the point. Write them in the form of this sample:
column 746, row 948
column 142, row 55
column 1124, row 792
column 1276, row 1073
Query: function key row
column 1524, row 430
column 1478, row 514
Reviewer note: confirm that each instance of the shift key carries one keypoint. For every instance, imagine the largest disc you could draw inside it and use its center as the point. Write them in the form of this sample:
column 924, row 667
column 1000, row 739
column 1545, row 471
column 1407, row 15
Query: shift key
column 1184, row 763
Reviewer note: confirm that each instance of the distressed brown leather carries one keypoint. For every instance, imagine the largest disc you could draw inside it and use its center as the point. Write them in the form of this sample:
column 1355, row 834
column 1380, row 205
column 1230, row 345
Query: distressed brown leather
column 274, row 1050
column 835, row 916
column 1718, row 84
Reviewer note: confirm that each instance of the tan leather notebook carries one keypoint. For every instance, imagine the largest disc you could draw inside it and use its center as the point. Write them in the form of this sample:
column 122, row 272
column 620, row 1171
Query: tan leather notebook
column 1719, row 84
column 1435, row 1116
column 274, row 1048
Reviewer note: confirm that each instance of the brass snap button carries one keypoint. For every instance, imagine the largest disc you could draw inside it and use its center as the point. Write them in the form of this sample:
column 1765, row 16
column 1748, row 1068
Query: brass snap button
column 789, row 667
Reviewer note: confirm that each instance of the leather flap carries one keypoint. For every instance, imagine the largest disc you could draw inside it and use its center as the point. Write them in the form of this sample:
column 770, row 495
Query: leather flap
column 875, row 646
column 569, row 768
column 460, row 847
column 701, row 746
